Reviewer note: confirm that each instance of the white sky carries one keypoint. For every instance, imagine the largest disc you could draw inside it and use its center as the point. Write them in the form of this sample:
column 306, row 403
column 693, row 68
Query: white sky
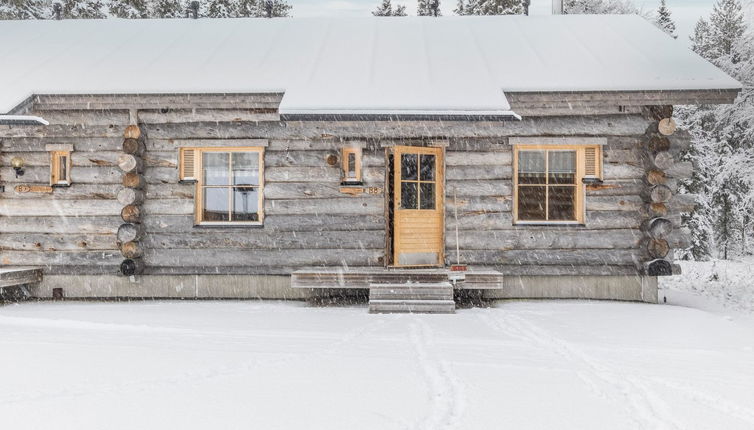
column 685, row 12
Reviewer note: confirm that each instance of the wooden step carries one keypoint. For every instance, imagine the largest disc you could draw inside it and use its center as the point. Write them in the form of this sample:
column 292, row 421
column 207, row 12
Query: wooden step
column 436, row 297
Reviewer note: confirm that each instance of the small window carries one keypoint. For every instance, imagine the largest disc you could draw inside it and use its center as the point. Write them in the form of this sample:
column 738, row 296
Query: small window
column 60, row 168
column 351, row 166
column 229, row 185
column 549, row 182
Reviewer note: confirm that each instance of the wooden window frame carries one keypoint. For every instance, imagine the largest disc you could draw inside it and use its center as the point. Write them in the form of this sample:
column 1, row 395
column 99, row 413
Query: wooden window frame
column 57, row 178
column 580, row 195
column 345, row 166
column 199, row 184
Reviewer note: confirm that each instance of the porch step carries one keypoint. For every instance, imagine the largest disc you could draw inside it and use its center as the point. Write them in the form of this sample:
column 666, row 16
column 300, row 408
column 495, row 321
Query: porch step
column 412, row 297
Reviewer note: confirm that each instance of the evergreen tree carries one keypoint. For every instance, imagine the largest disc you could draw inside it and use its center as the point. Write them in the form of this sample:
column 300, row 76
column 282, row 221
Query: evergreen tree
column 386, row 9
column 722, row 141
column 664, row 21
column 599, row 7
column 25, row 9
column 167, row 9
column 273, row 8
column 222, row 9
column 428, row 8
column 82, row 9
column 129, row 8
column 490, row 7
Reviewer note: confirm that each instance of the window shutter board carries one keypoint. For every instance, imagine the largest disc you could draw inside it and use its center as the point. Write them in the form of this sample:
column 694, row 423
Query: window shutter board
column 593, row 162
column 188, row 164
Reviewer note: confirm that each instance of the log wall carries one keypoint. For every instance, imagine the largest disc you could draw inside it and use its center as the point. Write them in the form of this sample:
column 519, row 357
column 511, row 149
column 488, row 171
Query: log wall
column 308, row 220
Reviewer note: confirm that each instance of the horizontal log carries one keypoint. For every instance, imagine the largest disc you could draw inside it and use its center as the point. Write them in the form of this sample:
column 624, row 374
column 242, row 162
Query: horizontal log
column 131, row 249
column 544, row 239
column 157, row 101
column 484, row 205
column 56, row 242
column 655, row 177
column 272, row 223
column 658, row 143
column 684, row 202
column 464, row 158
column 321, row 174
column 615, row 187
column 78, row 159
column 478, row 173
column 63, row 130
column 61, row 258
column 79, row 175
column 663, row 160
column 657, row 228
column 130, row 232
column 558, row 126
column 71, row 208
column 622, row 156
column 651, row 210
column 80, row 116
column 235, row 257
column 306, row 190
column 364, row 205
column 315, row 158
column 475, row 188
column 267, row 239
column 544, row 257
column 682, row 170
column 192, row 115
column 130, row 196
column 613, row 203
column 621, row 171
column 80, row 143
column 60, row 224
column 169, row 144
column 74, row 192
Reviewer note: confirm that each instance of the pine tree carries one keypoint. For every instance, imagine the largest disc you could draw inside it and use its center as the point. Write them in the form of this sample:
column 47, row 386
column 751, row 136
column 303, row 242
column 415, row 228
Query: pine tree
column 167, row 9
column 428, row 8
column 222, row 9
column 490, row 7
column 25, row 9
column 272, row 8
column 129, row 8
column 664, row 20
column 599, row 7
column 83, row 9
column 386, row 9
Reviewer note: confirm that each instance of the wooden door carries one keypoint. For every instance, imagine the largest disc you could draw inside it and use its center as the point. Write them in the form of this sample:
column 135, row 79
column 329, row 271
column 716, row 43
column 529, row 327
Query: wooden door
column 418, row 206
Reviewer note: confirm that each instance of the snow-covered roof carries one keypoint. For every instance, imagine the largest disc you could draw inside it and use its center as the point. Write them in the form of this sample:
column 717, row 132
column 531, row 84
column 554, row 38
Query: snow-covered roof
column 450, row 64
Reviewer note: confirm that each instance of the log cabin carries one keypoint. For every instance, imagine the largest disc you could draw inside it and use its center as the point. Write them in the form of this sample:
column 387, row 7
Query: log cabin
column 411, row 158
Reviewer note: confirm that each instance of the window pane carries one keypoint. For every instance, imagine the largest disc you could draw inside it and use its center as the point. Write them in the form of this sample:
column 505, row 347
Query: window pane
column 409, row 166
column 427, row 200
column 351, row 173
column 245, row 204
column 427, row 172
column 531, row 167
column 215, row 204
column 562, row 203
column 63, row 169
column 408, row 195
column 215, row 168
column 531, row 203
column 245, row 168
column 562, row 167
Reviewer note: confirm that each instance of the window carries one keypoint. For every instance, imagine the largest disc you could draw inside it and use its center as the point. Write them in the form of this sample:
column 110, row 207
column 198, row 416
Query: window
column 351, row 166
column 549, row 182
column 60, row 168
column 418, row 181
column 229, row 184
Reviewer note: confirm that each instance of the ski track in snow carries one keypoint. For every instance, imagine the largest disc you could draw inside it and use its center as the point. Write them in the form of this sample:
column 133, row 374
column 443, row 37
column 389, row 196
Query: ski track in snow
column 711, row 401
column 147, row 384
column 646, row 406
column 445, row 390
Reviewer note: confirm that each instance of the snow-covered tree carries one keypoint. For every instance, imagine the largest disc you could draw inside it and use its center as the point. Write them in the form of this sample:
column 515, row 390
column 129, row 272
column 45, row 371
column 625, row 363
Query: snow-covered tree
column 599, row 7
column 386, row 9
column 129, row 8
column 222, row 9
column 83, row 9
column 25, row 9
column 490, row 7
column 664, row 21
column 428, row 8
column 273, row 8
column 167, row 9
column 723, row 141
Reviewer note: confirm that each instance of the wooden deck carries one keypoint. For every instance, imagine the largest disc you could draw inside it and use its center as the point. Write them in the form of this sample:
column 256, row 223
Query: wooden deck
column 476, row 278
column 17, row 276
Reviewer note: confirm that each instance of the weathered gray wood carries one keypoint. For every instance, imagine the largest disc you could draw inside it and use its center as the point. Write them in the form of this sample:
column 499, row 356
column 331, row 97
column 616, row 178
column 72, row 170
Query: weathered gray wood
column 131, row 249
column 157, row 101
column 615, row 187
column 132, row 266
column 363, row 205
column 657, row 248
column 56, row 241
column 60, row 224
column 484, row 204
column 621, row 171
column 657, row 228
column 473, row 188
column 133, row 146
column 62, row 258
column 630, row 156
column 98, row 117
column 545, row 239
column 613, row 203
column 663, row 160
column 557, row 126
column 134, row 180
column 77, row 192
column 651, row 210
column 192, row 115
column 272, row 223
column 79, row 175
column 464, row 158
column 80, row 143
column 168, row 207
column 267, row 239
column 130, row 196
column 684, row 202
column 304, row 190
column 131, row 213
column 315, row 158
column 657, row 194
column 656, row 177
column 16, row 276
column 236, row 257
column 544, row 257
column 324, row 174
column 623, row 98
column 130, row 232
column 504, row 221
column 481, row 173
column 78, row 159
column 130, row 163
column 71, row 208
column 681, row 170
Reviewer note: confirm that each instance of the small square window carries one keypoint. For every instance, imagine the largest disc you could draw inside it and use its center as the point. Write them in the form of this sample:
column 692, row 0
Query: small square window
column 60, row 168
column 351, row 166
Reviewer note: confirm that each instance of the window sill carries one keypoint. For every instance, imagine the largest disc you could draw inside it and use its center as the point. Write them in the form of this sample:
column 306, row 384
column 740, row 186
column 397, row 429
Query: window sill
column 229, row 225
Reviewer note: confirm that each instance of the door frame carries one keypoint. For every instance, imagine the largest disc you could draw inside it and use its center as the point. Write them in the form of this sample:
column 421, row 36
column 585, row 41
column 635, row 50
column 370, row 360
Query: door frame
column 390, row 202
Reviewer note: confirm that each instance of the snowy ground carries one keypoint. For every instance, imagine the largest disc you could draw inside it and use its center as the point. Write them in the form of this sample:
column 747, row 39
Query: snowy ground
column 270, row 365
